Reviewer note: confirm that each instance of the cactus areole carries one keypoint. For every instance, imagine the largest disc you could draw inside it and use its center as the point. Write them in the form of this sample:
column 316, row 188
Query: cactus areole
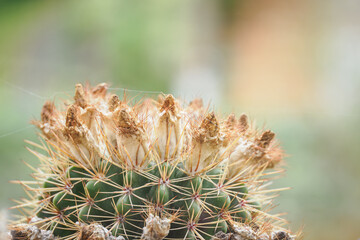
column 154, row 169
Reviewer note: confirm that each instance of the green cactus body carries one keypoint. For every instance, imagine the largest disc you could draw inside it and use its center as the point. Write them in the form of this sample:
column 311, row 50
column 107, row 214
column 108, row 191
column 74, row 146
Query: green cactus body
column 114, row 167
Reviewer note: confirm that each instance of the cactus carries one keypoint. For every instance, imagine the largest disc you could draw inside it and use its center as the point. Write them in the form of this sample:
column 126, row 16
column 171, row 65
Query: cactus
column 152, row 170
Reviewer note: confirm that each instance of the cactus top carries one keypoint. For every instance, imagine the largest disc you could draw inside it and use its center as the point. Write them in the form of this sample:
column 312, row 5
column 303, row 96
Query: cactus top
column 99, row 124
column 151, row 169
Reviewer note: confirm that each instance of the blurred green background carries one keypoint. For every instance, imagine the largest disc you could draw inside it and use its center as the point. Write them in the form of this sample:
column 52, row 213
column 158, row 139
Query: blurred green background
column 291, row 65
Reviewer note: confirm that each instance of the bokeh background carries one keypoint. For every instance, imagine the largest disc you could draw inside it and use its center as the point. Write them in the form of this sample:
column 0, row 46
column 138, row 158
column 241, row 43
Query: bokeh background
column 294, row 66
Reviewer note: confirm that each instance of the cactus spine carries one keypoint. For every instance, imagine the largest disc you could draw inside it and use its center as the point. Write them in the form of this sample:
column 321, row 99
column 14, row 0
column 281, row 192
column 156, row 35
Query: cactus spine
column 152, row 170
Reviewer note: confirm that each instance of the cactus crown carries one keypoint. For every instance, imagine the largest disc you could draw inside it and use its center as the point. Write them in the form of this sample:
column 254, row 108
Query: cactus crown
column 152, row 170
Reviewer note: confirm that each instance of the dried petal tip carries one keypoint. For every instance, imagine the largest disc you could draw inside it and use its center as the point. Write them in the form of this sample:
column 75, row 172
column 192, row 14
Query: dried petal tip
column 49, row 121
column 24, row 231
column 100, row 90
column 230, row 122
column 168, row 129
column 156, row 228
column 126, row 124
column 265, row 139
column 74, row 129
column 210, row 125
column 169, row 104
column 281, row 235
column 229, row 129
column 47, row 112
column 80, row 96
column 206, row 144
column 114, row 102
column 72, row 117
column 243, row 122
column 96, row 232
column 131, row 140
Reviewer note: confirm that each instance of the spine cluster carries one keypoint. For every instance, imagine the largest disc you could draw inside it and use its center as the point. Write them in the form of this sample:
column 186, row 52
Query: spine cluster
column 155, row 169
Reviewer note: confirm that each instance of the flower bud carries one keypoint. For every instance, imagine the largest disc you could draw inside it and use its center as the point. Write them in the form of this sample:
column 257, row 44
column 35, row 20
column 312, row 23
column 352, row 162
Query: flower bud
column 206, row 143
column 168, row 130
column 131, row 140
